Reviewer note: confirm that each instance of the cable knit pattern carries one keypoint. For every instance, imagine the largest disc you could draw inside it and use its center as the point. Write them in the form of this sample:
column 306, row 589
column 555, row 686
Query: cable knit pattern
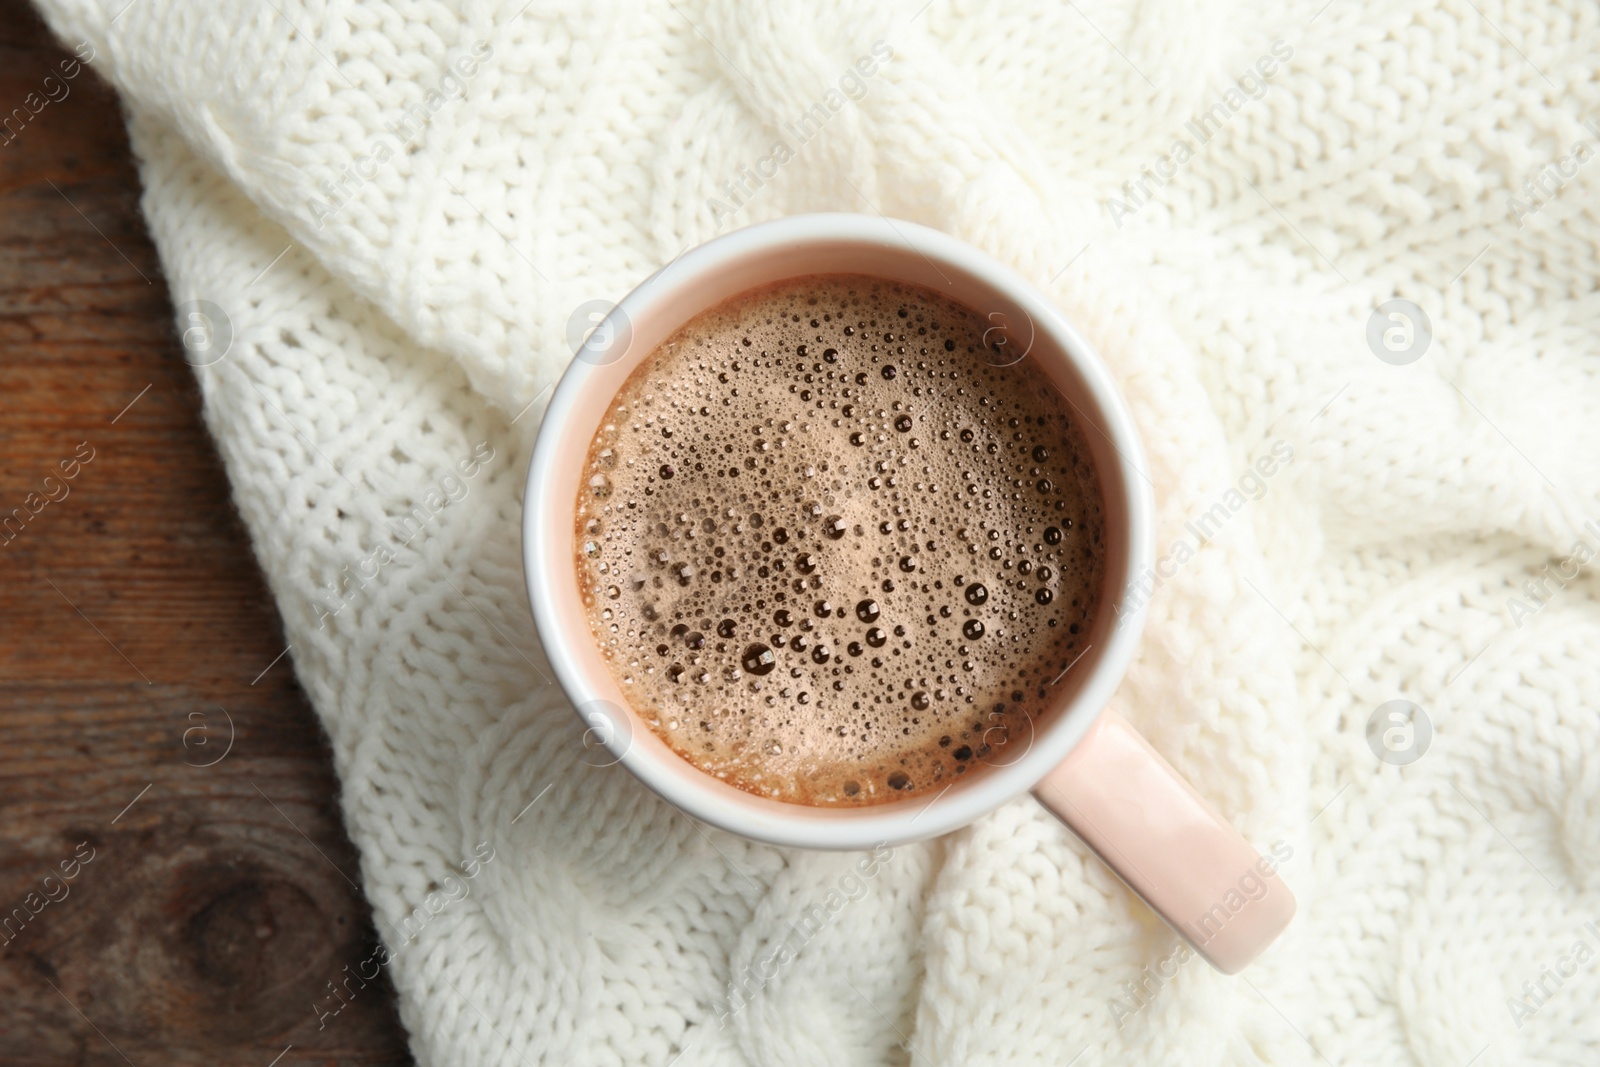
column 399, row 206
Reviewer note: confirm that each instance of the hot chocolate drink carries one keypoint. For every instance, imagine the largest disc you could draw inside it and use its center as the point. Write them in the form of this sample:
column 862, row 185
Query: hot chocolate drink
column 836, row 545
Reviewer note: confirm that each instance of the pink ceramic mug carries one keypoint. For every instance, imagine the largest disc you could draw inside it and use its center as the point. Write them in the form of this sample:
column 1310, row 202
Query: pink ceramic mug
column 1084, row 763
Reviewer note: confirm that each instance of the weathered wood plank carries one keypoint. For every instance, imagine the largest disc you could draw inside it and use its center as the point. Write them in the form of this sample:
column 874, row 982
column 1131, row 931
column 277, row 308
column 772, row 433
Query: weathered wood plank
column 216, row 903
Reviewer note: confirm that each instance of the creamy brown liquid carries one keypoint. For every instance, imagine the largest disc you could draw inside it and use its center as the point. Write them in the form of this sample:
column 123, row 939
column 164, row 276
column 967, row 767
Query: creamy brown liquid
column 831, row 552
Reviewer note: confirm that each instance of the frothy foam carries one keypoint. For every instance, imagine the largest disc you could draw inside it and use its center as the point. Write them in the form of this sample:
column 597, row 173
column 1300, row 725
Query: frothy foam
column 830, row 552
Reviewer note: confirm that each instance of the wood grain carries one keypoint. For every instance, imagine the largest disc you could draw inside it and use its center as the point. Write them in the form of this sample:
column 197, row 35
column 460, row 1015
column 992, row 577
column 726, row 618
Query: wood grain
column 147, row 720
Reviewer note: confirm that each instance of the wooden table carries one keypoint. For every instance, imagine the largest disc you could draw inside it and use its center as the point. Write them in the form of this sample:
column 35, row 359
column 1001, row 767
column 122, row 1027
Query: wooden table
column 147, row 719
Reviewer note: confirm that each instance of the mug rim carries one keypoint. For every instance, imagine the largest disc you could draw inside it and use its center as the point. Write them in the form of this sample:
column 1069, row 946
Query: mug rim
column 699, row 793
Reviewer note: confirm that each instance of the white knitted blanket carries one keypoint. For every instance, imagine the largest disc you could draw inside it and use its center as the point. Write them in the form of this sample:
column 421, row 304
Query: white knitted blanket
column 395, row 210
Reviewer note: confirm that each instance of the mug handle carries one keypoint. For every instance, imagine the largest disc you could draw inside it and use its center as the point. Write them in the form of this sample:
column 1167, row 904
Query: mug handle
column 1157, row 834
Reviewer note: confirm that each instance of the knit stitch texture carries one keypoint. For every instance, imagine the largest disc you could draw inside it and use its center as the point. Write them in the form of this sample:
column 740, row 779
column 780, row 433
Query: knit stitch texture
column 399, row 205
